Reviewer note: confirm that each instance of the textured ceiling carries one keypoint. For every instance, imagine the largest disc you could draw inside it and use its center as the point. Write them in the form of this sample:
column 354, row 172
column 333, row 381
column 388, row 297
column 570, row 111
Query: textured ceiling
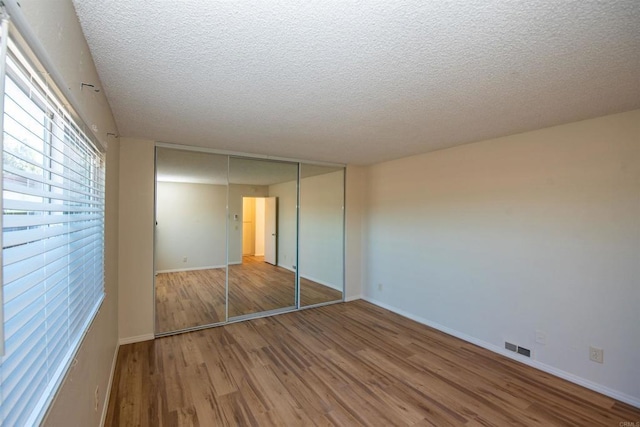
column 359, row 81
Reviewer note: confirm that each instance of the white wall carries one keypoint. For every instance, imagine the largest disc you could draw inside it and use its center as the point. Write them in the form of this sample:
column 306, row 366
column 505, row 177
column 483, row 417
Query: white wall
column 191, row 223
column 536, row 231
column 287, row 194
column 321, row 229
column 56, row 28
column 135, row 294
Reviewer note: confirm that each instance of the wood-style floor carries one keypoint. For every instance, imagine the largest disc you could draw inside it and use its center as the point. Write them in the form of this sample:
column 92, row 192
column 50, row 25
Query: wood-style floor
column 343, row 364
column 194, row 298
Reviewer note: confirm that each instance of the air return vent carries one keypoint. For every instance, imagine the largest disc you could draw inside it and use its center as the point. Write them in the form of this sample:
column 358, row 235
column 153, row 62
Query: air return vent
column 524, row 351
column 517, row 349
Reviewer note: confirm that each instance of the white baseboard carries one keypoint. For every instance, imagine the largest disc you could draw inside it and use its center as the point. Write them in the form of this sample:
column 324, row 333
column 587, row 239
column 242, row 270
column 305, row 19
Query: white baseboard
column 137, row 338
column 355, row 297
column 623, row 397
column 176, row 270
column 105, row 405
column 321, row 282
column 286, row 268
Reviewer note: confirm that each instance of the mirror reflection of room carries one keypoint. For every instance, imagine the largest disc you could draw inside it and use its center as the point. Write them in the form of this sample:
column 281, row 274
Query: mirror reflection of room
column 190, row 257
column 321, row 243
column 262, row 236
column 227, row 244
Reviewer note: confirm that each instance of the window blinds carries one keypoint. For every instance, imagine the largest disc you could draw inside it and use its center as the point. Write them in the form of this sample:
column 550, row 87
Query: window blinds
column 53, row 242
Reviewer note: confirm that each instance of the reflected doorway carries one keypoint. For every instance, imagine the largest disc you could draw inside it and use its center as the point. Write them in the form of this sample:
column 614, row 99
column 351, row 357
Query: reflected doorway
column 259, row 228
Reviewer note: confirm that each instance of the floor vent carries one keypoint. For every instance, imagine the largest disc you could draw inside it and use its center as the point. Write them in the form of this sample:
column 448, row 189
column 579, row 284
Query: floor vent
column 510, row 346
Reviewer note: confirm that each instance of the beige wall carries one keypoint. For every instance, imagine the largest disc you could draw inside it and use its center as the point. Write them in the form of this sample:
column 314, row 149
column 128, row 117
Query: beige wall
column 539, row 231
column 355, row 180
column 56, row 29
column 321, row 229
column 287, row 194
column 135, row 255
column 191, row 223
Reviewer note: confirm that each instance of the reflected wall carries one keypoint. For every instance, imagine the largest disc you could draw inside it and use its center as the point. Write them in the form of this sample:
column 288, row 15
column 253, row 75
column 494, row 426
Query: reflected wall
column 321, row 249
column 190, row 239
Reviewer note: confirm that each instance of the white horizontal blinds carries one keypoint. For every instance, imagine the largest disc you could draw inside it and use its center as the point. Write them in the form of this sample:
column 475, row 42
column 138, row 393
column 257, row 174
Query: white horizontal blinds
column 4, row 32
column 53, row 242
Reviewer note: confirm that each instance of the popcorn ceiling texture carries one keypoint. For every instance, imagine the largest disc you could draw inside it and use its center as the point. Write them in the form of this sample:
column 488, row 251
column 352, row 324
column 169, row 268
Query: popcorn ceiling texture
column 359, row 81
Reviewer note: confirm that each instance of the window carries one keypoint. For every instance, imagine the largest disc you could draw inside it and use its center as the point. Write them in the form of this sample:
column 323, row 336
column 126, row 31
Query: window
column 52, row 239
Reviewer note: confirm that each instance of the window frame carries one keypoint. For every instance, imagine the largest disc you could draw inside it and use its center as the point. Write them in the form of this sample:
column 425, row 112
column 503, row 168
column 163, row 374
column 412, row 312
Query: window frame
column 60, row 119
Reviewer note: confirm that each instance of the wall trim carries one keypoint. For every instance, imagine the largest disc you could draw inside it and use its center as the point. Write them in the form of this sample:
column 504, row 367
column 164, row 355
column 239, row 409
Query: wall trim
column 175, row 270
column 356, row 297
column 107, row 396
column 137, row 338
column 615, row 394
column 285, row 267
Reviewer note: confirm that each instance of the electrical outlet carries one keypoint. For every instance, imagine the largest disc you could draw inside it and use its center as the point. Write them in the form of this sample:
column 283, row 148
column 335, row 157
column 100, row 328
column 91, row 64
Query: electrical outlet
column 541, row 337
column 96, row 400
column 596, row 354
column 184, row 259
column 379, row 286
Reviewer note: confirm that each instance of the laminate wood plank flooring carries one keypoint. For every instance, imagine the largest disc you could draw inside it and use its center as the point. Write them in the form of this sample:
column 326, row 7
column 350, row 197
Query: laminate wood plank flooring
column 194, row 298
column 256, row 286
column 314, row 293
column 342, row 364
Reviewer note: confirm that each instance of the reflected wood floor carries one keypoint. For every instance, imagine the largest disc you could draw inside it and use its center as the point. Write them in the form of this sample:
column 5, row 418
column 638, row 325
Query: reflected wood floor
column 343, row 364
column 194, row 298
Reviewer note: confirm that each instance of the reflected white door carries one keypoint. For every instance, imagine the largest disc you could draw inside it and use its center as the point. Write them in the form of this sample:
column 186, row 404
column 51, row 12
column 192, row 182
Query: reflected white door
column 270, row 230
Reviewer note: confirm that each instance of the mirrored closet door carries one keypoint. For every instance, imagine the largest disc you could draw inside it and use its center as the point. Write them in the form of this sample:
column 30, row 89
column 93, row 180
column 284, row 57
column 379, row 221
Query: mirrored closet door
column 321, row 251
column 190, row 239
column 263, row 199
column 238, row 237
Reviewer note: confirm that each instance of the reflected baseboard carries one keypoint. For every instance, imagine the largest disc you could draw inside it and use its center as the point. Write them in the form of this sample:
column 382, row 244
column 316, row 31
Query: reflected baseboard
column 261, row 314
column 189, row 329
column 286, row 268
column 321, row 282
column 321, row 304
column 176, row 270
